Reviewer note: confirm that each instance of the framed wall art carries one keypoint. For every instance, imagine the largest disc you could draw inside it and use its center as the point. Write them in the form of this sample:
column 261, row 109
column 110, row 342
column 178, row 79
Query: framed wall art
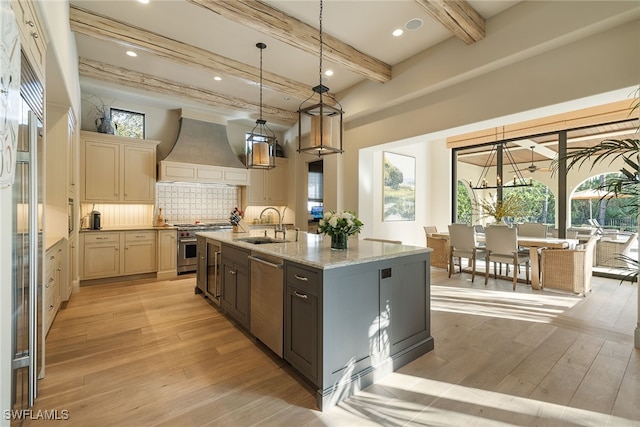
column 399, row 187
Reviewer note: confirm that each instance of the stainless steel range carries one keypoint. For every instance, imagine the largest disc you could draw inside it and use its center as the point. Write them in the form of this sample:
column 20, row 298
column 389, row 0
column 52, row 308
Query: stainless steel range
column 187, row 252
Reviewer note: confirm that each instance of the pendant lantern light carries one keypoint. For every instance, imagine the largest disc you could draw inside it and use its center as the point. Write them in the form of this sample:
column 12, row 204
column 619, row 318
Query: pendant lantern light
column 261, row 142
column 324, row 121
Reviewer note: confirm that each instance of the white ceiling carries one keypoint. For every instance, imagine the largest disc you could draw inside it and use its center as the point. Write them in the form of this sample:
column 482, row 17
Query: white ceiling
column 363, row 24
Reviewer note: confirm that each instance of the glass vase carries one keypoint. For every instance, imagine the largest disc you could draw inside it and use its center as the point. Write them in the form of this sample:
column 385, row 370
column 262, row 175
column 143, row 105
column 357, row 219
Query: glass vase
column 339, row 241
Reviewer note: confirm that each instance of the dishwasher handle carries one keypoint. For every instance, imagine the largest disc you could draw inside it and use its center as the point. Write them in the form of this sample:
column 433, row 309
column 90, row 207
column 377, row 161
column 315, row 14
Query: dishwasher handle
column 270, row 264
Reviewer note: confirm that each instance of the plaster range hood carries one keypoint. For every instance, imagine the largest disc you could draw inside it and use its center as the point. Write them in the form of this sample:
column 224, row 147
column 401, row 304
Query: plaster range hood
column 202, row 153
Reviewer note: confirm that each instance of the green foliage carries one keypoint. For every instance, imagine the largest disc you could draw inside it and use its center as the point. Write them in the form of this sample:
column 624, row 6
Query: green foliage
column 465, row 208
column 392, row 175
column 128, row 123
column 539, row 202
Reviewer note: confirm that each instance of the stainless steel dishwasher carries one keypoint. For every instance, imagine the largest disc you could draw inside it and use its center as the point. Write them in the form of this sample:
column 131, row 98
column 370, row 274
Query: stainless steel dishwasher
column 267, row 300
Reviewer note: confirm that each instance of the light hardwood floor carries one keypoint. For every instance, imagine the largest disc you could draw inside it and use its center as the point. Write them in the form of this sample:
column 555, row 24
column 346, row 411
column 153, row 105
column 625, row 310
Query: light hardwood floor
column 152, row 353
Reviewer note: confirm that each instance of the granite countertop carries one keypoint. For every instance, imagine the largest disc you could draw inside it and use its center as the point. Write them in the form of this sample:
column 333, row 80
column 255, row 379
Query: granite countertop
column 314, row 249
column 128, row 228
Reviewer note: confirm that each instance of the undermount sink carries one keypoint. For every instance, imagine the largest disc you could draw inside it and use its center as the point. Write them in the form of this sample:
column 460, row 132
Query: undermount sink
column 259, row 240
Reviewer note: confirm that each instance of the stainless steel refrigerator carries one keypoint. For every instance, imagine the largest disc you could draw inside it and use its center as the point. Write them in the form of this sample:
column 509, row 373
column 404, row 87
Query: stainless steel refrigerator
column 27, row 235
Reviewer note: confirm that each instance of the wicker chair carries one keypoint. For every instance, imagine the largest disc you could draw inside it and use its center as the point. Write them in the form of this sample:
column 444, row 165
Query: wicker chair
column 608, row 250
column 569, row 269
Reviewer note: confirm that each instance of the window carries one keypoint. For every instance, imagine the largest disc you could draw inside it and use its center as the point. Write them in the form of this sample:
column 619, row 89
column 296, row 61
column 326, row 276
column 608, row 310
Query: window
column 314, row 188
column 128, row 123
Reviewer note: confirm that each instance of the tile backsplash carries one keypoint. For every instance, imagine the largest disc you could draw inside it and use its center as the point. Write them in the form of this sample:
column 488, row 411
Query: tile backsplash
column 184, row 202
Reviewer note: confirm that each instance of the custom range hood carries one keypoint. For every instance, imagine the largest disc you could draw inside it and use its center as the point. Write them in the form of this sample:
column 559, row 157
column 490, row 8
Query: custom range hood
column 202, row 153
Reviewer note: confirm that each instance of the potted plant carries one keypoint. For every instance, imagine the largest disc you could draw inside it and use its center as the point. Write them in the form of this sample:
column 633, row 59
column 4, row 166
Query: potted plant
column 102, row 113
column 339, row 226
column 510, row 206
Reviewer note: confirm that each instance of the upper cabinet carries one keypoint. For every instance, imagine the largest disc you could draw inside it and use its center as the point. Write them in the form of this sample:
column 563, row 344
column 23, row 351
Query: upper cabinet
column 268, row 187
column 32, row 35
column 117, row 169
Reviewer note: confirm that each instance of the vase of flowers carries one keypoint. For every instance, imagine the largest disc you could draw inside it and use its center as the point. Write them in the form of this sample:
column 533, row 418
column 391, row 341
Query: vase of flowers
column 340, row 226
column 511, row 206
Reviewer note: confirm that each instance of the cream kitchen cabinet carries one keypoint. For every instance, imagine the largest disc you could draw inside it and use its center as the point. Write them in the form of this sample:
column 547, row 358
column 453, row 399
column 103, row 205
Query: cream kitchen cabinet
column 54, row 280
column 32, row 37
column 139, row 252
column 72, row 150
column 268, row 187
column 118, row 253
column 167, row 253
column 117, row 169
column 99, row 255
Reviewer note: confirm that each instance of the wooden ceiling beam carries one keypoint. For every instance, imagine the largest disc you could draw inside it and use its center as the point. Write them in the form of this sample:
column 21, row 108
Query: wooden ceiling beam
column 458, row 17
column 122, row 76
column 287, row 29
column 97, row 26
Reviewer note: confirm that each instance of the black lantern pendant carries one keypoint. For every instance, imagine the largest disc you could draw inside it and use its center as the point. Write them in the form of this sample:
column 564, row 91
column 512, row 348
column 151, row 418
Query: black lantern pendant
column 260, row 145
column 323, row 120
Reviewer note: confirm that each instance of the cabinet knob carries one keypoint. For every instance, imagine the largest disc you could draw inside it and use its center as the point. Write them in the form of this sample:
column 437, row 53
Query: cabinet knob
column 30, row 23
column 35, row 35
column 301, row 278
column 232, row 272
column 50, row 307
column 299, row 295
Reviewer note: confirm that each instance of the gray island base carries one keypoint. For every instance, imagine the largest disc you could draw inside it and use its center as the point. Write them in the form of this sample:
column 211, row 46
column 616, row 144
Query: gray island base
column 350, row 317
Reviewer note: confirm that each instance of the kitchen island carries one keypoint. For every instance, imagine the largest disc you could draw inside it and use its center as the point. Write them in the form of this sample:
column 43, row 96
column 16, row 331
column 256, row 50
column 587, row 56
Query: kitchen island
column 350, row 317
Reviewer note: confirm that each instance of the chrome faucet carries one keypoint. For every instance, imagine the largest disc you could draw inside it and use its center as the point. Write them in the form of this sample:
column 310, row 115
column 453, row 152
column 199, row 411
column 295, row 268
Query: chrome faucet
column 279, row 228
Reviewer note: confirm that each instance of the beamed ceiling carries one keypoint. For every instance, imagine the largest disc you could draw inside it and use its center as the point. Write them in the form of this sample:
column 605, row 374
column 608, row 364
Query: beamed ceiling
column 183, row 44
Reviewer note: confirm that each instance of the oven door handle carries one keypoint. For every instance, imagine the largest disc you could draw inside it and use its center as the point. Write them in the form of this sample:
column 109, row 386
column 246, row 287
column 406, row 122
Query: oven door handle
column 188, row 240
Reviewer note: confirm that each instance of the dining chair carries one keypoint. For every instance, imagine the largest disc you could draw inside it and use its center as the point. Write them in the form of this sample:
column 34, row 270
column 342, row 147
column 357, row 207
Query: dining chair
column 462, row 244
column 502, row 246
column 532, row 229
column 430, row 229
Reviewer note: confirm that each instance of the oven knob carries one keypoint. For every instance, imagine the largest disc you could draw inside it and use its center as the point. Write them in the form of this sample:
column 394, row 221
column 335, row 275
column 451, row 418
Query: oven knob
column 181, row 234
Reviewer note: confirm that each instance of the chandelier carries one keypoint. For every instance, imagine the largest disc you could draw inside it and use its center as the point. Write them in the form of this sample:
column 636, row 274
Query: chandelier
column 324, row 120
column 498, row 152
column 261, row 142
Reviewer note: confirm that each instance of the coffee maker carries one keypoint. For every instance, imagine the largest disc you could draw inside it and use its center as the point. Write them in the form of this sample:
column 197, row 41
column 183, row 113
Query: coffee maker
column 94, row 220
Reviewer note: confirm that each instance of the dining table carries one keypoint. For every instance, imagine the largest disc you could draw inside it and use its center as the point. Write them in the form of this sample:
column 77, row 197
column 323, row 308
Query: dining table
column 533, row 243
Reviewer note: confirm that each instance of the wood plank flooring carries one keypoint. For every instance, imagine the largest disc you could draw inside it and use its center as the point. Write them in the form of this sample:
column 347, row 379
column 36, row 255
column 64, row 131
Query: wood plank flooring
column 152, row 353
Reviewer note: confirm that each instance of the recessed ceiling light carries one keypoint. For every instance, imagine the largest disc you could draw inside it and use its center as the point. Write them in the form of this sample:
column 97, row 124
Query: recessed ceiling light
column 397, row 32
column 413, row 24
column 143, row 1
column 132, row 53
column 328, row 73
column 217, row 78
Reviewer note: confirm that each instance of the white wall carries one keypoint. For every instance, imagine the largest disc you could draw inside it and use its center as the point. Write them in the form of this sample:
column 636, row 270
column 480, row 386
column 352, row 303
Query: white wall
column 554, row 78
